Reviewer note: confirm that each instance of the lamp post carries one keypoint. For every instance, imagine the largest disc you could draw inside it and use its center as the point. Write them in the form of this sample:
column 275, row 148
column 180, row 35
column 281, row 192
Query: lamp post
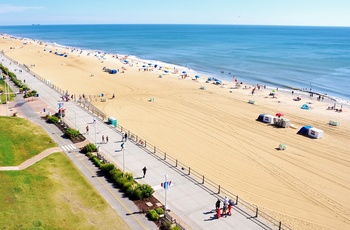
column 123, row 160
column 7, row 106
column 166, row 186
column 95, row 135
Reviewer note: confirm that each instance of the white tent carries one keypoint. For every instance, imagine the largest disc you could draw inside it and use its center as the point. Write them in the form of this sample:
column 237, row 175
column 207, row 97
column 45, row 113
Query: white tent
column 268, row 119
column 315, row 133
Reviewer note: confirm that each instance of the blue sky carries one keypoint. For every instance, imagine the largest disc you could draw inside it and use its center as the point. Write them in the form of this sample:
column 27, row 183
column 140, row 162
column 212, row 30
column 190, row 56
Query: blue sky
column 251, row 12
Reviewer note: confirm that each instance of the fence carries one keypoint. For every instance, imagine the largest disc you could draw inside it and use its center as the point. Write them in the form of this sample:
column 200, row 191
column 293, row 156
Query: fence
column 84, row 101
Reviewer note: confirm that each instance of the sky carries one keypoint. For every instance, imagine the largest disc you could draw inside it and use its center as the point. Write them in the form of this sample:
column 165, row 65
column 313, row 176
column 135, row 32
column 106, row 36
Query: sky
column 227, row 12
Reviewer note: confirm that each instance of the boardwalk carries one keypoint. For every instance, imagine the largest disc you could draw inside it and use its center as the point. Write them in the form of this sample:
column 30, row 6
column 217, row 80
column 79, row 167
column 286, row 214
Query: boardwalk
column 190, row 203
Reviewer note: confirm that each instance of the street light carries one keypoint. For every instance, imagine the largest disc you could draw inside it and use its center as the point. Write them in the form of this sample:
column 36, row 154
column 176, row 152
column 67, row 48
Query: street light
column 123, row 160
column 95, row 135
column 166, row 191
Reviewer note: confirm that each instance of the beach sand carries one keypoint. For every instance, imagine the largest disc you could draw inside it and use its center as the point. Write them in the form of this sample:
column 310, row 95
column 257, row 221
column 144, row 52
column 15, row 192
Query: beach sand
column 215, row 132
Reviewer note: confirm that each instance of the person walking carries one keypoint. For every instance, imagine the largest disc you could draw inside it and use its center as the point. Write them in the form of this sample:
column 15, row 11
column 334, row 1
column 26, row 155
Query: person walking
column 125, row 137
column 230, row 204
column 103, row 138
column 144, row 171
column 217, row 204
column 224, row 209
column 106, row 139
column 94, row 120
column 87, row 129
column 122, row 146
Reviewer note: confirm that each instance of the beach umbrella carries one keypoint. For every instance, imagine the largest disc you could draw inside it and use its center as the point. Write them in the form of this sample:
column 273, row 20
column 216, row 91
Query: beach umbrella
column 166, row 71
column 143, row 66
column 183, row 72
column 197, row 76
column 279, row 114
column 149, row 64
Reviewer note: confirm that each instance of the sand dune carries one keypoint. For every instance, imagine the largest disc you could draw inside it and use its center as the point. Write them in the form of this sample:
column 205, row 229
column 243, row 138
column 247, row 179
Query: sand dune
column 215, row 132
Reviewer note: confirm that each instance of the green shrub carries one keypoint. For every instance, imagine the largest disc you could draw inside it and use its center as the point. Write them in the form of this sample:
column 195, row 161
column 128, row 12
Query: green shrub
column 107, row 167
column 131, row 190
column 175, row 228
column 89, row 155
column 129, row 176
column 89, row 148
column 96, row 161
column 137, row 194
column 121, row 181
column 160, row 211
column 52, row 119
column 147, row 191
column 153, row 215
column 126, row 185
column 72, row 133
column 166, row 225
column 116, row 173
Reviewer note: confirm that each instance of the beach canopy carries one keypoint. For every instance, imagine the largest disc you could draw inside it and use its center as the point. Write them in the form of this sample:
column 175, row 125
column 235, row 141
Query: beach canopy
column 305, row 106
column 279, row 114
column 183, row 72
column 304, row 130
column 197, row 76
column 261, row 117
column 112, row 71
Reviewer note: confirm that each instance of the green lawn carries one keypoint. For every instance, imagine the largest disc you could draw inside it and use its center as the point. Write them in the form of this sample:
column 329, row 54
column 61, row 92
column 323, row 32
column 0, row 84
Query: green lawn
column 21, row 140
column 53, row 194
column 2, row 89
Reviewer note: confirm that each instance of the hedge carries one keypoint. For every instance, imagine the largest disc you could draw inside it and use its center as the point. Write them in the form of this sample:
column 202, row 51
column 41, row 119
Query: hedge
column 123, row 180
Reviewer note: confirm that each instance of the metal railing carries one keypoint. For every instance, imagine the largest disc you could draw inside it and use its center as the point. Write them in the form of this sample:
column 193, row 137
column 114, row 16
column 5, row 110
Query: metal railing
column 84, row 101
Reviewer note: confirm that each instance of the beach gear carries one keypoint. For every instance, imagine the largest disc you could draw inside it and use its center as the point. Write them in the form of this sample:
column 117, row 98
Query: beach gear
column 261, row 117
column 304, row 130
column 305, row 106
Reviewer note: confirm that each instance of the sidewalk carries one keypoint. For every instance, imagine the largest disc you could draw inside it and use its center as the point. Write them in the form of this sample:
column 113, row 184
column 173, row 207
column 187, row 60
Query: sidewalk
column 190, row 203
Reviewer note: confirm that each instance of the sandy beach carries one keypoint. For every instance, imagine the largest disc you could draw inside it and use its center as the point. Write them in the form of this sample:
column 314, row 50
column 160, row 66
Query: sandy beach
column 213, row 129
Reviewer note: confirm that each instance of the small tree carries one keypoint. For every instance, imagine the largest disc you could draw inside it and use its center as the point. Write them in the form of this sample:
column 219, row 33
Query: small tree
column 52, row 119
column 147, row 190
column 89, row 148
column 72, row 133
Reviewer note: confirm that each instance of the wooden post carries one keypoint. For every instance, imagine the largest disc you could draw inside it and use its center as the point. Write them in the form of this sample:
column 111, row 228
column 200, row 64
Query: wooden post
column 164, row 156
column 154, row 149
column 257, row 211
column 280, row 226
column 189, row 170
column 145, row 144
column 236, row 200
column 137, row 138
column 203, row 180
column 176, row 163
column 219, row 189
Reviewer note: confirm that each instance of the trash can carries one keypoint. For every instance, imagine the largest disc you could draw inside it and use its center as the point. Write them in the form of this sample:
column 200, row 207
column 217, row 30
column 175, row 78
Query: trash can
column 112, row 121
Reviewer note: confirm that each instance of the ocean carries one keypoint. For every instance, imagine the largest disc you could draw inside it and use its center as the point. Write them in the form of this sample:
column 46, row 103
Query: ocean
column 316, row 58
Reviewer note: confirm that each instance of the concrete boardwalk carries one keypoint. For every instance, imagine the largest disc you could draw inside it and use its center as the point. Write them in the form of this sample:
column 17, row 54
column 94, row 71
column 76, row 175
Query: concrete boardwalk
column 189, row 202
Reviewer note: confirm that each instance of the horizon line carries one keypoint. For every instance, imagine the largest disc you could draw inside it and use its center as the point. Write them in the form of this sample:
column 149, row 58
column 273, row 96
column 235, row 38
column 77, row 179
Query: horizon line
column 187, row 24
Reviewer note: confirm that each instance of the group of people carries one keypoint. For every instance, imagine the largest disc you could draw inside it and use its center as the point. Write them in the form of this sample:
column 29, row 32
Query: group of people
column 104, row 139
column 227, row 206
